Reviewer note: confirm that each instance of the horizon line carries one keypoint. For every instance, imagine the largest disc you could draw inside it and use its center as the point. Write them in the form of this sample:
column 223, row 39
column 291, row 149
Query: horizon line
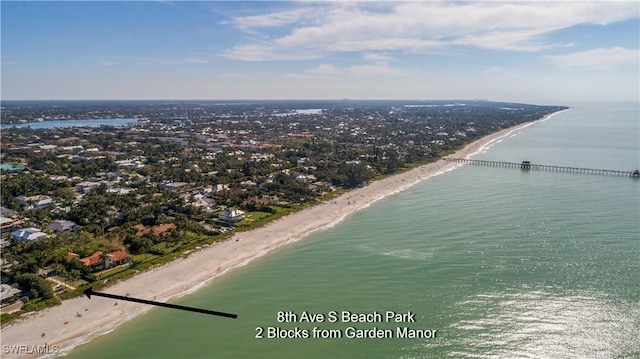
column 321, row 99
column 299, row 99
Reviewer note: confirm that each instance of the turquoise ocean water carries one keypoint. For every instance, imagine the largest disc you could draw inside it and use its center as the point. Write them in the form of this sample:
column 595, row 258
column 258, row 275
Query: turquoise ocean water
column 502, row 263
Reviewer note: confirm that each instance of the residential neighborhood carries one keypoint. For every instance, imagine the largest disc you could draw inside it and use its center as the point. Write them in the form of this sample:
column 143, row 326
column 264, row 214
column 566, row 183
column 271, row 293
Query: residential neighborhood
column 87, row 206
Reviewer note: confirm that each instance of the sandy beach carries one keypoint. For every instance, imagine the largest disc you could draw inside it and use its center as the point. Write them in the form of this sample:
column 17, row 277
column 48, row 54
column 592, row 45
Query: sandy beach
column 78, row 320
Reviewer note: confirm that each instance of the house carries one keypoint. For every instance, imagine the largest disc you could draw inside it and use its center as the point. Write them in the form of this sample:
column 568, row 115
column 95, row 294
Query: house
column 95, row 262
column 203, row 202
column 85, row 187
column 9, row 167
column 78, row 159
column 205, row 190
column 141, row 230
column 232, row 215
column 177, row 186
column 6, row 212
column 98, row 261
column 9, row 224
column 114, row 176
column 121, row 190
column 117, row 258
column 47, row 272
column 8, row 292
column 34, row 202
column 162, row 229
column 59, row 178
column 27, row 234
column 61, row 225
column 159, row 230
column 319, row 185
column 73, row 149
column 221, row 187
column 48, row 148
column 256, row 201
column 301, row 177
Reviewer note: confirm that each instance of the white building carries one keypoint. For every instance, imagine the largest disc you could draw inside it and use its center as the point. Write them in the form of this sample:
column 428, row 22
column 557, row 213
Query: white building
column 34, row 202
column 7, row 292
column 232, row 215
column 221, row 187
column 27, row 234
column 62, row 225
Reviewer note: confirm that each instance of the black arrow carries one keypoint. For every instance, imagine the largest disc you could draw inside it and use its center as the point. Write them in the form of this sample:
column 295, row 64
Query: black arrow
column 89, row 292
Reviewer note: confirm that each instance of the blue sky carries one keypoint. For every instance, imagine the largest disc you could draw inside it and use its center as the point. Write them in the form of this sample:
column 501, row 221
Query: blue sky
column 537, row 52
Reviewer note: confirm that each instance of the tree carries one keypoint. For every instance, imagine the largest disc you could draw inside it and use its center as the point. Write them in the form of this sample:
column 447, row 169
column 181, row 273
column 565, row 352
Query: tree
column 354, row 175
column 36, row 285
column 138, row 245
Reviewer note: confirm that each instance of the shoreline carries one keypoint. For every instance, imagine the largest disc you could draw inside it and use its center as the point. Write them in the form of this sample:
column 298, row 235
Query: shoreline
column 65, row 330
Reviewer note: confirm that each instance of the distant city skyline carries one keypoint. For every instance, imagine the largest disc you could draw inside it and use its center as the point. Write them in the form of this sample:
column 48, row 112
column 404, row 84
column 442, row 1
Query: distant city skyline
column 535, row 52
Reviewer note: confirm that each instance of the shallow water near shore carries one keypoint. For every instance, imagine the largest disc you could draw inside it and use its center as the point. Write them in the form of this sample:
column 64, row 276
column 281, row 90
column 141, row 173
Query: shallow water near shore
column 502, row 263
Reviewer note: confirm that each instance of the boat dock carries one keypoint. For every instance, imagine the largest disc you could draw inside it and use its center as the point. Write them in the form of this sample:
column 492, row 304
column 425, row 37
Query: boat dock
column 527, row 165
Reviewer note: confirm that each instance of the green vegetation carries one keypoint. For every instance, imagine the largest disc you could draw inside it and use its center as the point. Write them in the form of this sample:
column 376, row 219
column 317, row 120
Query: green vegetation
column 156, row 190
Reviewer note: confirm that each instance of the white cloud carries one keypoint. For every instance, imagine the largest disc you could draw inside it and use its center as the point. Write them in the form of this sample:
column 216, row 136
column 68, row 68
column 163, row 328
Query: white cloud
column 378, row 65
column 378, row 58
column 317, row 72
column 267, row 52
column 377, row 69
column 275, row 19
column 187, row 60
column 324, row 69
column 598, row 59
column 312, row 31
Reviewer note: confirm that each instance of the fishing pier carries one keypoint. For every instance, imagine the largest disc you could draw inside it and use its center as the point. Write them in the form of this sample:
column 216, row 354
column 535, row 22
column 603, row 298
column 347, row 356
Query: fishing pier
column 527, row 165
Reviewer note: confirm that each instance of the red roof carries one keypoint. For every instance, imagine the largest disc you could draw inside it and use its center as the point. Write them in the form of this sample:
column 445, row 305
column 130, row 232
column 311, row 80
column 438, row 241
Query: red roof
column 157, row 230
column 141, row 230
column 119, row 255
column 92, row 260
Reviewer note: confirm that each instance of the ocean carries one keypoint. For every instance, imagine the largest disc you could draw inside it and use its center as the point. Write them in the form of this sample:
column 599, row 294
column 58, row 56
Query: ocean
column 480, row 262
